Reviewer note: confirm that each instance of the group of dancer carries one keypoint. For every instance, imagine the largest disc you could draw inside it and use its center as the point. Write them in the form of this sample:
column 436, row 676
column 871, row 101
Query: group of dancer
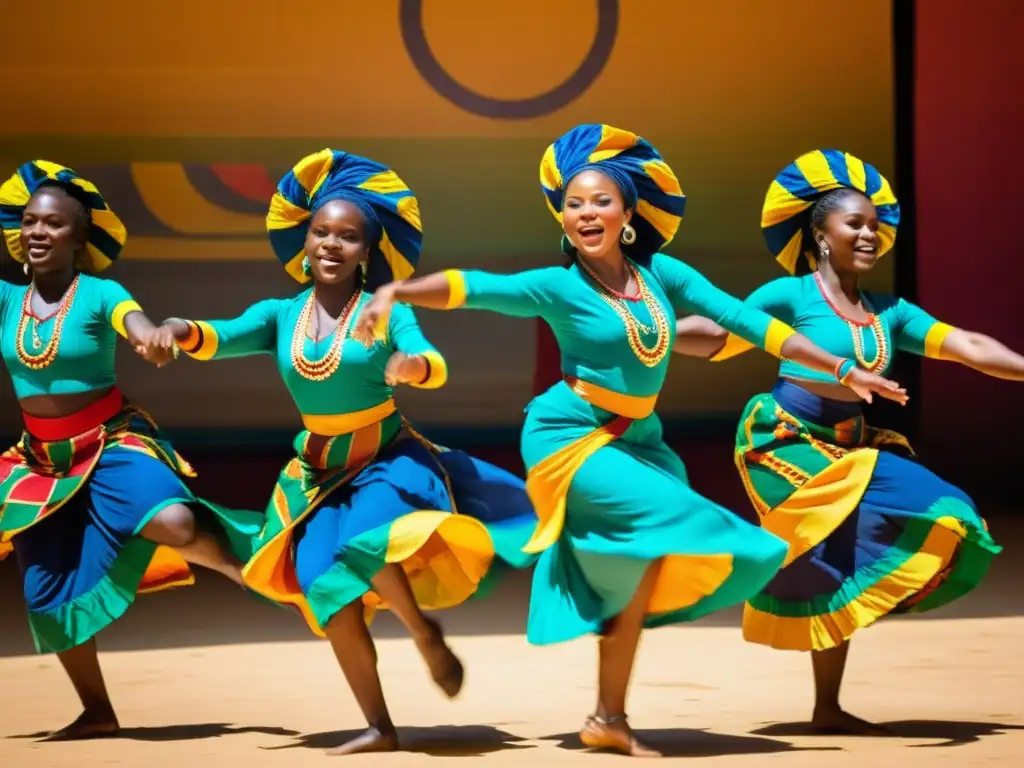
column 370, row 514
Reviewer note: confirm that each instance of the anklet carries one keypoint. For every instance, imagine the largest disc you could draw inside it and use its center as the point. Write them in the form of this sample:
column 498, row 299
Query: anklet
column 609, row 720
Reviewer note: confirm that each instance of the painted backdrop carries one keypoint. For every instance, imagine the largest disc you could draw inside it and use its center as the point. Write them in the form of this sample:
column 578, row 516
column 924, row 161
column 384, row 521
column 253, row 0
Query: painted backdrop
column 186, row 114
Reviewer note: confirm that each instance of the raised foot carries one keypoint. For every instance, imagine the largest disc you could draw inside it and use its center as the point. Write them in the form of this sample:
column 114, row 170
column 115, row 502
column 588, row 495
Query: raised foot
column 445, row 668
column 602, row 734
column 838, row 722
column 370, row 740
column 91, row 724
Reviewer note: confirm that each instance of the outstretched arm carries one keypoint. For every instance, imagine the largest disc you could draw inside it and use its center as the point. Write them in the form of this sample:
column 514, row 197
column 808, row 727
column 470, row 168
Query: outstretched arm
column 690, row 291
column 918, row 332
column 698, row 336
column 523, row 294
column 253, row 332
column 983, row 353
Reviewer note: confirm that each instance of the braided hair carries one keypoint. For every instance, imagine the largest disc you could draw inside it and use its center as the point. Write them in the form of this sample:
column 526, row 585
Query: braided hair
column 817, row 219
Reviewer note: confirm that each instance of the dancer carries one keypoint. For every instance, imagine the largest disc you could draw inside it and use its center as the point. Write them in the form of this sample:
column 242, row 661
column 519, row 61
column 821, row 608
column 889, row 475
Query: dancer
column 870, row 530
column 626, row 542
column 369, row 513
column 91, row 497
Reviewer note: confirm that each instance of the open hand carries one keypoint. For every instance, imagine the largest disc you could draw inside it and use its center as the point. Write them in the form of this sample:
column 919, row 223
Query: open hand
column 373, row 319
column 868, row 384
column 157, row 346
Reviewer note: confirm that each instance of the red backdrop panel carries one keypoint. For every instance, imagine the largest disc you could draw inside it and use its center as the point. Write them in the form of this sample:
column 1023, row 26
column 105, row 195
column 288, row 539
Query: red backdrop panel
column 970, row 254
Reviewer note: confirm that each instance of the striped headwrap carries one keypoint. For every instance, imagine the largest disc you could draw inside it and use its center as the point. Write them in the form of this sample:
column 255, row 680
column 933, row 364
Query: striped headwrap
column 647, row 183
column 107, row 234
column 392, row 213
column 785, row 218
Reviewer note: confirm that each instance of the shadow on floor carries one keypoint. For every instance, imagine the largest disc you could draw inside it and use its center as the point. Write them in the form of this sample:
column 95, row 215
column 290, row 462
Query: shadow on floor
column 949, row 733
column 437, row 741
column 189, row 732
column 690, row 742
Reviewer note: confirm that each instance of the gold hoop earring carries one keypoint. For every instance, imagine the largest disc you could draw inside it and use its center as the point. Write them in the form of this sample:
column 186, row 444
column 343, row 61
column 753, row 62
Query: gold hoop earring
column 628, row 236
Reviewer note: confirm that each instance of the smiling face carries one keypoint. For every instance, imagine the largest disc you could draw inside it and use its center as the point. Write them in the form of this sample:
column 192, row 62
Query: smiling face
column 850, row 230
column 593, row 214
column 336, row 242
column 54, row 228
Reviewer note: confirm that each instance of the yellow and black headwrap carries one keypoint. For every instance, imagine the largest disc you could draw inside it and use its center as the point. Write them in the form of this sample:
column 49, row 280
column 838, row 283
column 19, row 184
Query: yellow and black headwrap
column 646, row 182
column 107, row 233
column 785, row 218
column 391, row 210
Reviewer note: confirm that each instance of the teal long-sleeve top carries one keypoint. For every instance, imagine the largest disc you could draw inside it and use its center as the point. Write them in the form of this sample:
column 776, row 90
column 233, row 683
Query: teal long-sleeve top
column 591, row 336
column 894, row 324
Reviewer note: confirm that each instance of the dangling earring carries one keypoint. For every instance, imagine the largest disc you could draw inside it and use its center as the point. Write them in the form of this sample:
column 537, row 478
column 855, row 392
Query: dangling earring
column 823, row 249
column 305, row 266
column 25, row 267
column 628, row 236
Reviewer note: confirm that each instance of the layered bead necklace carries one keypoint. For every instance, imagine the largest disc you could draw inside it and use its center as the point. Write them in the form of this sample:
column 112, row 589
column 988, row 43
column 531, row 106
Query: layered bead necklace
column 324, row 368
column 648, row 355
column 881, row 359
column 36, row 359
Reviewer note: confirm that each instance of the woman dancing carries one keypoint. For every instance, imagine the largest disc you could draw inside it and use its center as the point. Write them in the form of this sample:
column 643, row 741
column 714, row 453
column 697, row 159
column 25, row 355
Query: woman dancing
column 127, row 523
column 626, row 542
column 870, row 530
column 368, row 514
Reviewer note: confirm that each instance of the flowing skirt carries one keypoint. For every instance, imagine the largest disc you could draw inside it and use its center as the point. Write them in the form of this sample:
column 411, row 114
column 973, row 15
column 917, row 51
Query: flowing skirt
column 870, row 530
column 73, row 509
column 442, row 515
column 613, row 498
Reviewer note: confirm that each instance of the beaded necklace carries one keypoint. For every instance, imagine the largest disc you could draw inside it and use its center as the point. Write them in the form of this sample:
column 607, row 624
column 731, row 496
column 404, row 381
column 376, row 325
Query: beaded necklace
column 324, row 368
column 37, row 360
column 874, row 322
column 648, row 355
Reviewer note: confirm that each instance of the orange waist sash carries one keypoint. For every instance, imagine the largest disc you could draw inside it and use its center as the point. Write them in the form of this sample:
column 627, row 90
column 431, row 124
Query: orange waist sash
column 547, row 483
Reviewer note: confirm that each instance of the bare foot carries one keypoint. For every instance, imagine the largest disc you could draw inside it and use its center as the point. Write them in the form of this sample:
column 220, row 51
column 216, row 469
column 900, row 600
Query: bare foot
column 445, row 668
column 370, row 740
column 91, row 724
column 616, row 735
column 838, row 722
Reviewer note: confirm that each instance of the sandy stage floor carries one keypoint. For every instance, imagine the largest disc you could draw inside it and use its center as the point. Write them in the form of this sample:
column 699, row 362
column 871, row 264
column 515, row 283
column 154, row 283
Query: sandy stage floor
column 206, row 677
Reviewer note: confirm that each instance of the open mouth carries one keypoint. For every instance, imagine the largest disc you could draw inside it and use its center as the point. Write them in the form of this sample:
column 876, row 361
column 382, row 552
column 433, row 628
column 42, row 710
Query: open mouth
column 867, row 250
column 591, row 234
column 38, row 251
column 332, row 260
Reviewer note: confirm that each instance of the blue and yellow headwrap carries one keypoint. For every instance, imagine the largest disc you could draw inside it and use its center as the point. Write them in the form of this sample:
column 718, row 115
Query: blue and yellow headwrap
column 107, row 233
column 785, row 218
column 392, row 213
column 647, row 183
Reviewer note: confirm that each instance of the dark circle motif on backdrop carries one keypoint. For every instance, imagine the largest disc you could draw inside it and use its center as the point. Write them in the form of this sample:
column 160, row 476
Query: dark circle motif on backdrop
column 415, row 39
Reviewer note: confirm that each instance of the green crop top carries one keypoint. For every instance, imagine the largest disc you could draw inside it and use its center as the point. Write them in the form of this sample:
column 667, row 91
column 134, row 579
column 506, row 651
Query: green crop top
column 81, row 358
column 800, row 302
